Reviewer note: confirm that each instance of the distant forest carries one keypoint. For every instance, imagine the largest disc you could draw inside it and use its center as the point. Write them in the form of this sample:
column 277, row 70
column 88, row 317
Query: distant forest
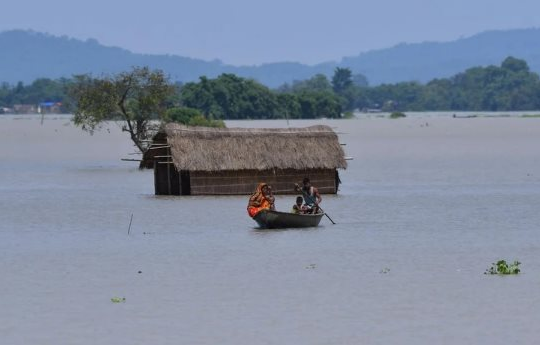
column 508, row 87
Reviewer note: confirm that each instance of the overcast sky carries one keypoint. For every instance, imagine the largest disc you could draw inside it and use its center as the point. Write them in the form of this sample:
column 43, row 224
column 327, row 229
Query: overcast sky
column 259, row 31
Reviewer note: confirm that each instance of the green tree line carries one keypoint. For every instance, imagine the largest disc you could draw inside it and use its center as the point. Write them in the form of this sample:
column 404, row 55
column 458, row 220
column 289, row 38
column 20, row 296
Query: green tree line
column 231, row 97
column 510, row 86
column 41, row 90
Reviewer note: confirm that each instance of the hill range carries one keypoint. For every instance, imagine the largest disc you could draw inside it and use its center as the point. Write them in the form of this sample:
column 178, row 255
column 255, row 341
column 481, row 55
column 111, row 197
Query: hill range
column 28, row 55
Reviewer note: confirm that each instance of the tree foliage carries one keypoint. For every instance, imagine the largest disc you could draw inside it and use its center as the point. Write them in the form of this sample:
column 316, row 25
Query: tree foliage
column 190, row 117
column 231, row 97
column 137, row 97
column 317, row 83
column 342, row 79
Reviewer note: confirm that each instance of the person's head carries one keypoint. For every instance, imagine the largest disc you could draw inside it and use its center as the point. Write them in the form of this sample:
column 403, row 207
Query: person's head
column 306, row 182
column 299, row 200
column 262, row 187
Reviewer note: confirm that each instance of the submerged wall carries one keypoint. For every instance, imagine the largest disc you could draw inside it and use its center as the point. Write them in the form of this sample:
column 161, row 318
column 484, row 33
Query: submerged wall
column 168, row 181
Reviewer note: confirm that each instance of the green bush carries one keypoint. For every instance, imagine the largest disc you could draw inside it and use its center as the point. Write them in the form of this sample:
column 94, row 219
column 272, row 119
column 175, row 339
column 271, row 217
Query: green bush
column 397, row 115
column 191, row 117
column 501, row 267
column 200, row 120
column 181, row 115
column 348, row 115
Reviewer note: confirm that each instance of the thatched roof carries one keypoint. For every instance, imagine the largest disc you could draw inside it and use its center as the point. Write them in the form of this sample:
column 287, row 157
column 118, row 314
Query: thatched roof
column 216, row 149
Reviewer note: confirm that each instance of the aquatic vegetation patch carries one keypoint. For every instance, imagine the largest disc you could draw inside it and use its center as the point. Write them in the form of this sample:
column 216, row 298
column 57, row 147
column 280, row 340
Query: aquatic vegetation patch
column 348, row 115
column 397, row 115
column 502, row 267
column 118, row 299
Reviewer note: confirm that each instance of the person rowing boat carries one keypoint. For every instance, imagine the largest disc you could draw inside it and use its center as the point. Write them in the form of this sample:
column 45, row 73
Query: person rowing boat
column 312, row 197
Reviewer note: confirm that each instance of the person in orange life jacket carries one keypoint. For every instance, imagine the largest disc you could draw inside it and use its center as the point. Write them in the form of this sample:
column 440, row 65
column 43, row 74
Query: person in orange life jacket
column 261, row 199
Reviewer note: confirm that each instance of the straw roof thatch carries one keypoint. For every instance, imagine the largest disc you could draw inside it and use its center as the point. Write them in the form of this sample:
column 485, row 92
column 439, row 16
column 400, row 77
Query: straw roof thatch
column 218, row 149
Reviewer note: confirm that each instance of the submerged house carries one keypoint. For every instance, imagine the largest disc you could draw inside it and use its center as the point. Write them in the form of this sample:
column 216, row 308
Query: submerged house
column 228, row 161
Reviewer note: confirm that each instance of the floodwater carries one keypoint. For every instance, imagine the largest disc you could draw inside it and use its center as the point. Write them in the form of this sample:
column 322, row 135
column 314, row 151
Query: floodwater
column 426, row 205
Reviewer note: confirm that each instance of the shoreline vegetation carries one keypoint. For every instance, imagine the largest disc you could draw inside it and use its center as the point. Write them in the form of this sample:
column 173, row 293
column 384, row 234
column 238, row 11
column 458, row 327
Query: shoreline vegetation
column 508, row 87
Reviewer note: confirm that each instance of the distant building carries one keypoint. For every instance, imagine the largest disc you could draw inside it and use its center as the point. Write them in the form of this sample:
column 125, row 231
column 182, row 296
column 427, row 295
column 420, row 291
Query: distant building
column 50, row 107
column 25, row 109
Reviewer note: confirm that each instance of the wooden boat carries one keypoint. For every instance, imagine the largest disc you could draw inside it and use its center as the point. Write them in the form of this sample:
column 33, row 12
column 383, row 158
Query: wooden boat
column 280, row 220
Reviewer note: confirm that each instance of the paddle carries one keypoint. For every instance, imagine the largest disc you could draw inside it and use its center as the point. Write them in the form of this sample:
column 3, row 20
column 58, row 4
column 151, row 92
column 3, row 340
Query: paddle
column 310, row 199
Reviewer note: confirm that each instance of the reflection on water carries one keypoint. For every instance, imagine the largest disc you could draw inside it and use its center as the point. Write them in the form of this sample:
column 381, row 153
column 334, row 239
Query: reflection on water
column 422, row 212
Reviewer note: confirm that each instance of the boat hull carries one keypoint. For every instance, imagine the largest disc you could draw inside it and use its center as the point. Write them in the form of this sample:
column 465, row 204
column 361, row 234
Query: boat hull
column 281, row 220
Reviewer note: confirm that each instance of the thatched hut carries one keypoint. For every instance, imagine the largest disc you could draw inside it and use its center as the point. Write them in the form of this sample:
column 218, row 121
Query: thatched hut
column 226, row 161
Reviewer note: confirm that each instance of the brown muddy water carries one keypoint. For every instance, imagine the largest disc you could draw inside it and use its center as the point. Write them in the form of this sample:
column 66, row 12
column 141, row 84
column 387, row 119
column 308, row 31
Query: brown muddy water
column 427, row 204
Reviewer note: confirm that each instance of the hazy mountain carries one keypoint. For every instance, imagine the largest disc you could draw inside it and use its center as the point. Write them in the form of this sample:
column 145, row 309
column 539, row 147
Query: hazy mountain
column 27, row 55
column 425, row 61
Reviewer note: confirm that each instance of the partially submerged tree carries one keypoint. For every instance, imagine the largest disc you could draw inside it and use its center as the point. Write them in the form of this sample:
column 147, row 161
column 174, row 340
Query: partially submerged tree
column 137, row 97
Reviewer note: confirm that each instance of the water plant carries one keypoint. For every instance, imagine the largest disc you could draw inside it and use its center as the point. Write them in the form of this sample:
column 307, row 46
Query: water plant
column 502, row 267
column 397, row 115
column 118, row 299
column 348, row 115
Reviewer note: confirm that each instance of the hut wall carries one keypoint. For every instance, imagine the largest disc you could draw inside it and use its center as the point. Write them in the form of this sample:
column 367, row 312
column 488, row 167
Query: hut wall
column 244, row 182
column 166, row 179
